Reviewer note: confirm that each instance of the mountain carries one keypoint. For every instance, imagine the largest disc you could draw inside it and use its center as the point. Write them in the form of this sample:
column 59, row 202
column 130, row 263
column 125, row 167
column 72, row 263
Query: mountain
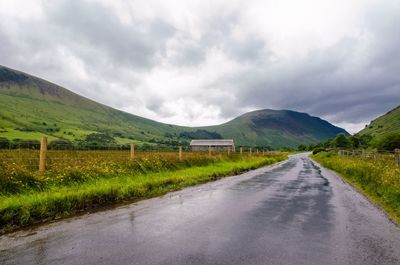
column 31, row 107
column 276, row 128
column 384, row 125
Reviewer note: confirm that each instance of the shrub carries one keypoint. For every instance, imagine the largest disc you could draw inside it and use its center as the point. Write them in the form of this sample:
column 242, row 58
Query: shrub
column 61, row 144
column 318, row 150
column 4, row 143
column 341, row 141
column 302, row 147
column 389, row 142
column 98, row 141
column 27, row 144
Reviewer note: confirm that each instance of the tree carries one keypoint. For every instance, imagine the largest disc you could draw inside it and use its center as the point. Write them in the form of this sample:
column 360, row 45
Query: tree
column 310, row 147
column 98, row 140
column 328, row 143
column 355, row 141
column 389, row 142
column 365, row 141
column 200, row 134
column 286, row 149
column 61, row 144
column 28, row 144
column 341, row 141
column 302, row 147
column 4, row 143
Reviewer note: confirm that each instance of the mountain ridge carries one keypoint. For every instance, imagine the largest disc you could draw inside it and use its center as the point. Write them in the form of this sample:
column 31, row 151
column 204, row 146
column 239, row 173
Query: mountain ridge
column 305, row 128
column 31, row 106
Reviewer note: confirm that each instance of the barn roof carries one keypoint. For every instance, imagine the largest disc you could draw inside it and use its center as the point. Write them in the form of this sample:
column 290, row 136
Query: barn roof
column 217, row 142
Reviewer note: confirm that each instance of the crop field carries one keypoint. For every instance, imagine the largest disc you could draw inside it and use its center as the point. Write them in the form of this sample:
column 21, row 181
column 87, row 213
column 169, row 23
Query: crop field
column 80, row 180
column 376, row 175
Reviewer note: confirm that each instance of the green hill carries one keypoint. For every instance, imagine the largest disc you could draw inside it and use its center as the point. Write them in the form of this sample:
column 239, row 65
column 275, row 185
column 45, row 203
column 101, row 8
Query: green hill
column 276, row 128
column 31, row 107
column 387, row 123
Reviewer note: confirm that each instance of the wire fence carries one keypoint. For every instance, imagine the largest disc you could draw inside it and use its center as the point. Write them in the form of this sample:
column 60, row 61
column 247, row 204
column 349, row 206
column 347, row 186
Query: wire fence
column 375, row 155
column 41, row 156
column 101, row 146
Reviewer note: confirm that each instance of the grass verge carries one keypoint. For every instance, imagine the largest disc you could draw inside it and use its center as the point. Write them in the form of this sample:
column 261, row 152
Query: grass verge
column 33, row 206
column 378, row 180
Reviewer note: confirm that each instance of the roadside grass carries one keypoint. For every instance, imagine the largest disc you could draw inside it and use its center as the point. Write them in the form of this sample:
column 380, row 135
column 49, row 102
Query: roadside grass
column 60, row 193
column 379, row 180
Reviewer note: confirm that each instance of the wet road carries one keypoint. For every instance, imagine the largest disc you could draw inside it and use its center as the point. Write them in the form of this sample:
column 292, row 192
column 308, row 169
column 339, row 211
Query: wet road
column 291, row 213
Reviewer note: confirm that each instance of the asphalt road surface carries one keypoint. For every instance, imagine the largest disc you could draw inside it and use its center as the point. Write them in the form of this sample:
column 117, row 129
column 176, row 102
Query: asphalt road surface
column 291, row 213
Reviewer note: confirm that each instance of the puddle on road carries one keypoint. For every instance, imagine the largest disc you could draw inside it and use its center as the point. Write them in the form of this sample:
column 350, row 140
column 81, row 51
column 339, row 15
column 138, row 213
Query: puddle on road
column 265, row 179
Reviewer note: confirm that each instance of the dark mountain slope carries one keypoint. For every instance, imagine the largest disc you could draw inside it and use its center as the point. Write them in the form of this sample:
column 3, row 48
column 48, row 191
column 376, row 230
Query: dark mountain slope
column 277, row 128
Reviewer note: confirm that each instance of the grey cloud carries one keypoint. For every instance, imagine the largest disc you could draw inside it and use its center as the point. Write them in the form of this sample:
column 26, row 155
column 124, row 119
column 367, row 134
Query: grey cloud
column 192, row 54
column 352, row 81
column 94, row 25
column 155, row 104
column 338, row 82
column 108, row 49
column 249, row 50
column 218, row 35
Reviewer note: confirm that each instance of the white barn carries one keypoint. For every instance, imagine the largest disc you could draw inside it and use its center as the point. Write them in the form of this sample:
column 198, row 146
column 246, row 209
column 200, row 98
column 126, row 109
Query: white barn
column 215, row 145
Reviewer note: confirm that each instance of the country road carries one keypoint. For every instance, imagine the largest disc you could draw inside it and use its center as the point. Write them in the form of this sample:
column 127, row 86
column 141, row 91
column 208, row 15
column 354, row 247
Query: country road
column 291, row 213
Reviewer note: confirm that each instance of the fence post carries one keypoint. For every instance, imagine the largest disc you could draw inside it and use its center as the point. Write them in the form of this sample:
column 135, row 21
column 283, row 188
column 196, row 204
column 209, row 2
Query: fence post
column 132, row 152
column 397, row 156
column 229, row 151
column 180, row 153
column 42, row 154
column 250, row 151
column 209, row 151
column 241, row 151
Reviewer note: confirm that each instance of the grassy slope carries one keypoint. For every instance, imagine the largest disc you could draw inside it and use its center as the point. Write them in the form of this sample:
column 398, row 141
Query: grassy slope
column 55, row 202
column 276, row 128
column 28, row 102
column 378, row 180
column 388, row 123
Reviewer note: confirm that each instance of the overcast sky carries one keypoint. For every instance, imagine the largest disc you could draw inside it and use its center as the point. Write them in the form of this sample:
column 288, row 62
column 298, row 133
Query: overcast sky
column 205, row 62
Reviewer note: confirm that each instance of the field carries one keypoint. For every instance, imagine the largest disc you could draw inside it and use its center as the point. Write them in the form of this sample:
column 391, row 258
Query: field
column 378, row 177
column 76, row 180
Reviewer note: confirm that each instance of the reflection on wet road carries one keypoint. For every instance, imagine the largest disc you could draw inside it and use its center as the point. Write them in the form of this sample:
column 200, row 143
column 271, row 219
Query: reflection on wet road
column 291, row 213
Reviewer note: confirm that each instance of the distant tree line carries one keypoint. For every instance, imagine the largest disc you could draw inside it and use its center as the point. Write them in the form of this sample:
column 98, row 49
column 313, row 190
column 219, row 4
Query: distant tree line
column 18, row 143
column 200, row 134
column 93, row 141
column 389, row 142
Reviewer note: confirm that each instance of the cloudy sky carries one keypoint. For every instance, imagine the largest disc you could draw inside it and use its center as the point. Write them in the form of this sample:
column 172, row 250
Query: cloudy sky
column 201, row 62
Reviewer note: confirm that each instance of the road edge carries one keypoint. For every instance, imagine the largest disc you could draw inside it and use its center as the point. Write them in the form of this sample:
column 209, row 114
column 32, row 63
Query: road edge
column 374, row 201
